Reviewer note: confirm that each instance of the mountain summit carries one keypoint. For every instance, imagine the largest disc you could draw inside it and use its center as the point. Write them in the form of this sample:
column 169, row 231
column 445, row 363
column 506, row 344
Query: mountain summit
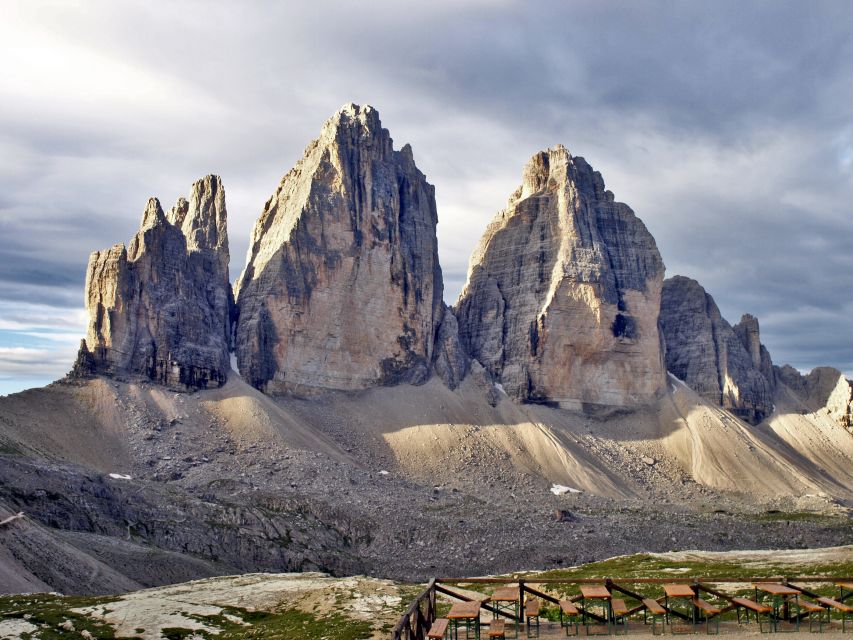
column 563, row 292
column 161, row 308
column 343, row 288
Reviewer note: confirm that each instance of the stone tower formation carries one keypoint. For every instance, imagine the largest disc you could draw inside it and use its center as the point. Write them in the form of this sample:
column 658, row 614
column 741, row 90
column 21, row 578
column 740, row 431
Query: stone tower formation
column 565, row 302
column 343, row 288
column 561, row 304
column 161, row 308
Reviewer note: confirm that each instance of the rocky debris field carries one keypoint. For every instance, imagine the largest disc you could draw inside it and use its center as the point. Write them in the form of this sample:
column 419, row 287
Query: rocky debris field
column 200, row 504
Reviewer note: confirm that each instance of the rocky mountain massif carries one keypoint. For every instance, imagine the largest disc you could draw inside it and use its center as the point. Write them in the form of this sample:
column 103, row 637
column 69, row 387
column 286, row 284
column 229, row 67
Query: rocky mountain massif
column 730, row 367
column 113, row 480
column 343, row 291
column 162, row 307
column 343, row 288
column 563, row 292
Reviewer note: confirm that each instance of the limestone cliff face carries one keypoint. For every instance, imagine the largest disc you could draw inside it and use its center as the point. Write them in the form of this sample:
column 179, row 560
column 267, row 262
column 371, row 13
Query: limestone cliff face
column 723, row 364
column 342, row 289
column 161, row 308
column 823, row 390
column 450, row 362
column 563, row 292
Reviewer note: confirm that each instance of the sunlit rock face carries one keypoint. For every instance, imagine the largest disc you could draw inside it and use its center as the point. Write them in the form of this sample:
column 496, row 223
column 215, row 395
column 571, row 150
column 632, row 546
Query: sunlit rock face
column 563, row 292
column 161, row 308
column 343, row 288
column 728, row 366
column 823, row 390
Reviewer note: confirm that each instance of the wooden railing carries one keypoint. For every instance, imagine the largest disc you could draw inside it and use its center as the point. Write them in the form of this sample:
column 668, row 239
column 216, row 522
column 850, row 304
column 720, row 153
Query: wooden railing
column 419, row 617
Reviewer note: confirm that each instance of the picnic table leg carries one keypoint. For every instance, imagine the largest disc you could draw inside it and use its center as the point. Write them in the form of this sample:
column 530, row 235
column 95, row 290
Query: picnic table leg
column 611, row 623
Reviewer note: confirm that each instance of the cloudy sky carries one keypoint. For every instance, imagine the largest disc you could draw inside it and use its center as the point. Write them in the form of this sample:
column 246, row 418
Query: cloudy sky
column 727, row 126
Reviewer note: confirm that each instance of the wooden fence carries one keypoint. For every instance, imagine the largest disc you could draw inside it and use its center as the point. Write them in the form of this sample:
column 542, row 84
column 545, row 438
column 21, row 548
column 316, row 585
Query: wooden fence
column 420, row 615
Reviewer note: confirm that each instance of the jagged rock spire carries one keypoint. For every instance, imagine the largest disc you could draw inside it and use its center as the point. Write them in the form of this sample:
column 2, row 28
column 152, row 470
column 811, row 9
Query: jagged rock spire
column 563, row 291
column 161, row 308
column 728, row 366
column 342, row 288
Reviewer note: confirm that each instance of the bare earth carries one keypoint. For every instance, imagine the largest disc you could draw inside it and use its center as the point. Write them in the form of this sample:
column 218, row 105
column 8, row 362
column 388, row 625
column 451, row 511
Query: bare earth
column 128, row 485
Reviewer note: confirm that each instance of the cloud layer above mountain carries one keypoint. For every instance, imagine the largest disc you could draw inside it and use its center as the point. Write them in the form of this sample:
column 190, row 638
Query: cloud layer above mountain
column 726, row 126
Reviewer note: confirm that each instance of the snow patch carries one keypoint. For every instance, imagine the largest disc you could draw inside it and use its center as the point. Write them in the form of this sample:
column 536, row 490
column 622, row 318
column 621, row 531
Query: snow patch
column 560, row 489
column 120, row 476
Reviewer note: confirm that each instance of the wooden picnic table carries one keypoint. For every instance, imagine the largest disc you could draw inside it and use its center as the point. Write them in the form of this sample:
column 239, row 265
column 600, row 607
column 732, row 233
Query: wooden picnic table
column 507, row 600
column 782, row 596
column 468, row 612
column 775, row 589
column 597, row 592
column 679, row 592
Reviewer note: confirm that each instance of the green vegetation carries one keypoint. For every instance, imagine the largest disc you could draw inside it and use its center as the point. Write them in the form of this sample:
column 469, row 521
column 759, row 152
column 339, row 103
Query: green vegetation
column 625, row 568
column 54, row 620
column 826, row 519
column 648, row 566
column 53, row 616
column 9, row 449
column 288, row 624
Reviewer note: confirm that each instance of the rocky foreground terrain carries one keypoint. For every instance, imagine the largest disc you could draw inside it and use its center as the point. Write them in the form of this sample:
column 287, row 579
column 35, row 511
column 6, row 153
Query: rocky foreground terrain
column 370, row 429
column 315, row 605
column 145, row 486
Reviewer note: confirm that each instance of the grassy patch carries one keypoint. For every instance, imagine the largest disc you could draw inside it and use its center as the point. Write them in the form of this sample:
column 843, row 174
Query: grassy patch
column 288, row 624
column 804, row 516
column 627, row 568
column 9, row 449
column 53, row 616
column 647, row 566
column 55, row 621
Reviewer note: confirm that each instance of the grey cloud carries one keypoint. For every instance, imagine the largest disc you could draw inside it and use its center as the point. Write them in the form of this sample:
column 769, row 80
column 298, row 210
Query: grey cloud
column 725, row 125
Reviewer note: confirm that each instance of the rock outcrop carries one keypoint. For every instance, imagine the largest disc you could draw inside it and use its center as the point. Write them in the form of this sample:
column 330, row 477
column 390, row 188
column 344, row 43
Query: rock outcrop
column 747, row 330
column 450, row 362
column 823, row 390
column 161, row 308
column 563, row 292
column 728, row 366
column 343, row 289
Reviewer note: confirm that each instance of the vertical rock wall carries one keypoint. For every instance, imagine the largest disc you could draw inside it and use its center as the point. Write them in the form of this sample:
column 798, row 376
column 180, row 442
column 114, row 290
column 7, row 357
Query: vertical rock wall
column 161, row 308
column 723, row 364
column 343, row 288
column 563, row 291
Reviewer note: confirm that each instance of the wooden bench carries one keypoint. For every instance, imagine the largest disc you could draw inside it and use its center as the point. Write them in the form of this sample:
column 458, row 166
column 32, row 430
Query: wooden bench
column 654, row 609
column 497, row 629
column 709, row 612
column 531, row 611
column 810, row 609
column 758, row 609
column 844, row 609
column 620, row 615
column 438, row 629
column 569, row 614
